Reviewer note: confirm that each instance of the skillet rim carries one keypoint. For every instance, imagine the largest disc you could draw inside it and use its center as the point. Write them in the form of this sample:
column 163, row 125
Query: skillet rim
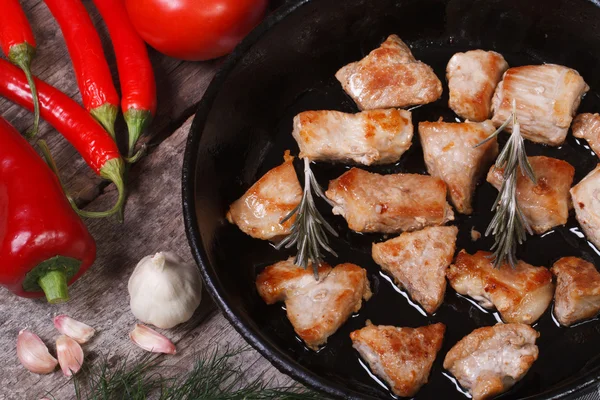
column 576, row 386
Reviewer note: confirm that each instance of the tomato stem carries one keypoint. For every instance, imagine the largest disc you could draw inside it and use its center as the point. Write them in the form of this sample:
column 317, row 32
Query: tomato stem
column 21, row 55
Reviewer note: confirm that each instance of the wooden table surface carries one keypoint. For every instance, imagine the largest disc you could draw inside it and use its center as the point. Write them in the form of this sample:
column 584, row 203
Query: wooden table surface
column 153, row 223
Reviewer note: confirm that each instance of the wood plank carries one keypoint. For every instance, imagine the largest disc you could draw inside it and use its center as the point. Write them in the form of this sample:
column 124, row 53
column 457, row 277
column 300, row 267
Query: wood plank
column 180, row 86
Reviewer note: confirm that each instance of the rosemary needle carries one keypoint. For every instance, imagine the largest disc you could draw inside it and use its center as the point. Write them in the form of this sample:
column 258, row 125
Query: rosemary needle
column 309, row 230
column 509, row 225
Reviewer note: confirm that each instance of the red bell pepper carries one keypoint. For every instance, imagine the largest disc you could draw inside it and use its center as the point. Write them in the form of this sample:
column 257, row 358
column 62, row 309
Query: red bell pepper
column 44, row 245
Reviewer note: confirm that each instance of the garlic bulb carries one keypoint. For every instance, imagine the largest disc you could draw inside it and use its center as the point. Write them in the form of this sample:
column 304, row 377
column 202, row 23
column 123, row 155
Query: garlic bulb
column 164, row 291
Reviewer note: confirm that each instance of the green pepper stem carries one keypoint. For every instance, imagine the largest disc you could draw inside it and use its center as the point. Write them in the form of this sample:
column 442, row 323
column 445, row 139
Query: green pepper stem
column 54, row 285
column 106, row 114
column 136, row 121
column 113, row 170
column 21, row 55
column 137, row 156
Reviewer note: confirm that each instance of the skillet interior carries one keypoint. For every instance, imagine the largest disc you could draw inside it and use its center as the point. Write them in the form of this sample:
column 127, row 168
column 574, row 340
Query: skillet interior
column 287, row 65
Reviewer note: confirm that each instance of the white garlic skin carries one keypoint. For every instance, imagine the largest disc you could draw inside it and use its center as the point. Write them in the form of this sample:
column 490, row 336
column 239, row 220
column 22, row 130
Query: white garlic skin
column 164, row 291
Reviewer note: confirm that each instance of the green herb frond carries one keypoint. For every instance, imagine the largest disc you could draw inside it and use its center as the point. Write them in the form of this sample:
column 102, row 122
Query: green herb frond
column 216, row 376
column 509, row 225
column 120, row 380
column 309, row 230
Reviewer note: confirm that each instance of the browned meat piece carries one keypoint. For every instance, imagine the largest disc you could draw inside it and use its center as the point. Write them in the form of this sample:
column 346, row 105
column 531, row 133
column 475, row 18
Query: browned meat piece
column 547, row 98
column 587, row 126
column 400, row 356
column 390, row 77
column 577, row 290
column 316, row 309
column 546, row 204
column 418, row 262
column 472, row 78
column 259, row 211
column 389, row 203
column 586, row 200
column 450, row 155
column 490, row 360
column 369, row 137
column 521, row 295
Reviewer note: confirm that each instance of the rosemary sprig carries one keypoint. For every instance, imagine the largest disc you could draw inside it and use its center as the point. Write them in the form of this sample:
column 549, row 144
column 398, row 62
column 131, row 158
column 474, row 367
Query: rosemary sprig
column 509, row 226
column 215, row 376
column 309, row 230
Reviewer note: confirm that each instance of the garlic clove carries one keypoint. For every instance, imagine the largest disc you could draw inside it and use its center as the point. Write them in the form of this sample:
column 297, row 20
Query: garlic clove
column 34, row 354
column 70, row 355
column 74, row 329
column 150, row 340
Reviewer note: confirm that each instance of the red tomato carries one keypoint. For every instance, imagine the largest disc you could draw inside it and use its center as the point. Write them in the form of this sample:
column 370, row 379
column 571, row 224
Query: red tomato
column 195, row 29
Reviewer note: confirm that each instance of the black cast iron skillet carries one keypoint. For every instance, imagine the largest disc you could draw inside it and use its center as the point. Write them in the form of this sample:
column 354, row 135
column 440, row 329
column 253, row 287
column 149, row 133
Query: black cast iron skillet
column 287, row 65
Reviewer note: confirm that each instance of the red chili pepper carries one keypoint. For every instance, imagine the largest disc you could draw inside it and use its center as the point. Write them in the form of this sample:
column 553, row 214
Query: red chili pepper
column 87, row 136
column 138, row 88
column 18, row 43
column 95, row 83
column 44, row 245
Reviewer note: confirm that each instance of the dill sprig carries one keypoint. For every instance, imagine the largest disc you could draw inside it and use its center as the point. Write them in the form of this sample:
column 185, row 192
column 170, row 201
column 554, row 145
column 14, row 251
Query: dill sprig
column 309, row 230
column 216, row 376
column 509, row 225
column 123, row 380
